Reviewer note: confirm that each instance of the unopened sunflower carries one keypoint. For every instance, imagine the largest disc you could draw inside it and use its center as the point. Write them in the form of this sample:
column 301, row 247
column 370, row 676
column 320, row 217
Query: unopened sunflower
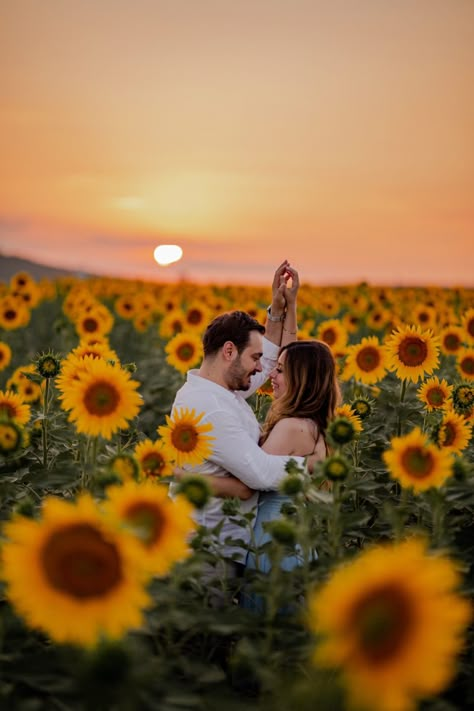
column 73, row 575
column 365, row 361
column 184, row 351
column 345, row 410
column 102, row 400
column 154, row 460
column 393, row 622
column 435, row 394
column 161, row 525
column 412, row 352
column 418, row 463
column 185, row 438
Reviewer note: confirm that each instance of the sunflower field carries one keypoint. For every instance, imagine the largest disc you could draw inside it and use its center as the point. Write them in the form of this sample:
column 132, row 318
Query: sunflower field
column 103, row 605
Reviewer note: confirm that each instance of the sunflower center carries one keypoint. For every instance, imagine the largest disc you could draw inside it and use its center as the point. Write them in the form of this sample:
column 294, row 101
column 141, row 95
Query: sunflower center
column 7, row 410
column 368, row 359
column 184, row 438
column 418, row 462
column 194, row 316
column 90, row 325
column 448, row 434
column 10, row 314
column 153, row 464
column 452, row 342
column 101, row 399
column 412, row 351
column 435, row 396
column 470, row 327
column 185, row 352
column 383, row 622
column 146, row 521
column 467, row 365
column 329, row 336
column 79, row 561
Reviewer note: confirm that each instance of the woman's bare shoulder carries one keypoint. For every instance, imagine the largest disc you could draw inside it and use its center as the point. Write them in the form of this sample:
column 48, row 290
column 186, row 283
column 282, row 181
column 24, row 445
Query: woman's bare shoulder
column 292, row 425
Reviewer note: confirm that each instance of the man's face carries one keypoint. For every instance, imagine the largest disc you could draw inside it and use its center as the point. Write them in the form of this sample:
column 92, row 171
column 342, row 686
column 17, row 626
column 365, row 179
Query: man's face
column 246, row 364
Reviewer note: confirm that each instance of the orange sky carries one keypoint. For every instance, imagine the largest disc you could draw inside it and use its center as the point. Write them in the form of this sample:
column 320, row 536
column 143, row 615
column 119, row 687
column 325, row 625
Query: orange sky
column 336, row 134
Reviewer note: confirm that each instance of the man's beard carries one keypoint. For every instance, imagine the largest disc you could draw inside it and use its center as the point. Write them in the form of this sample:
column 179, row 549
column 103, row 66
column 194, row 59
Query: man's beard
column 237, row 377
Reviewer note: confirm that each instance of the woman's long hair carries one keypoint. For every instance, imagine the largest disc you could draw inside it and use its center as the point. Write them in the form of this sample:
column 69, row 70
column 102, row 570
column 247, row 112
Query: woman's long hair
column 312, row 389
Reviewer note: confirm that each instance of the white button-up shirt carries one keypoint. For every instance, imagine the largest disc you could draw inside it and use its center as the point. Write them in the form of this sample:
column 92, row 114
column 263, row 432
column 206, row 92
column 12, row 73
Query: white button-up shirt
column 235, row 448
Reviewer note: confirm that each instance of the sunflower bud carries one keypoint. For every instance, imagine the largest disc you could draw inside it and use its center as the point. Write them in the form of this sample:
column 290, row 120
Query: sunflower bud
column 231, row 507
column 291, row 485
column 283, row 531
column 291, row 467
column 341, row 431
column 463, row 398
column 48, row 365
column 362, row 407
column 336, row 467
column 130, row 367
column 196, row 489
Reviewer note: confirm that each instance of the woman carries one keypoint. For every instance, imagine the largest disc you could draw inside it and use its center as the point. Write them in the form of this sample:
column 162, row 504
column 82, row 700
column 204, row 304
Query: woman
column 306, row 393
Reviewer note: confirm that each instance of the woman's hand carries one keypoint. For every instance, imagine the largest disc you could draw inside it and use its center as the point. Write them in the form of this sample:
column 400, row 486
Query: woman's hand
column 278, row 289
column 290, row 292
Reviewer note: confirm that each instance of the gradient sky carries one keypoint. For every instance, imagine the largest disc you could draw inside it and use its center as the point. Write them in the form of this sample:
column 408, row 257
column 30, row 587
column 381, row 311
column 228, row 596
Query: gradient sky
column 337, row 134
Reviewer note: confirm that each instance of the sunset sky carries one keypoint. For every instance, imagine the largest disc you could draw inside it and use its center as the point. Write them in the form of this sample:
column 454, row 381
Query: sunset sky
column 338, row 134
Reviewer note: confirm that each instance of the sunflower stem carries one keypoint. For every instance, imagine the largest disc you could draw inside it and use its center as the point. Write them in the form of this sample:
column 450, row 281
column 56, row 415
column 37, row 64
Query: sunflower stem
column 403, row 390
column 44, row 424
column 334, row 522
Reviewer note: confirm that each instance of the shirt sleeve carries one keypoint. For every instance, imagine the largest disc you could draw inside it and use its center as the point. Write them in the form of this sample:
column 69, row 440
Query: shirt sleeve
column 235, row 451
column 268, row 360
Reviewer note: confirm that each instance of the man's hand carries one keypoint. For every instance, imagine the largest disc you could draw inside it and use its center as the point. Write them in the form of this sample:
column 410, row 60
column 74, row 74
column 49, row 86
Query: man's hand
column 280, row 279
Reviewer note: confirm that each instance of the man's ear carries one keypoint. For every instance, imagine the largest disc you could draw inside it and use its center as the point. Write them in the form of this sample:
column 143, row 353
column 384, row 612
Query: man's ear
column 228, row 350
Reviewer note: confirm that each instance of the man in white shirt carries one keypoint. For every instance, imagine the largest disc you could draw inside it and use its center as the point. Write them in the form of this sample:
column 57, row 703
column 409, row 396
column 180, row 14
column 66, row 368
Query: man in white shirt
column 239, row 354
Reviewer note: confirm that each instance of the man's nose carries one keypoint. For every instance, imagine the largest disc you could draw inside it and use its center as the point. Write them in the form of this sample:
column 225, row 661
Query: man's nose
column 258, row 366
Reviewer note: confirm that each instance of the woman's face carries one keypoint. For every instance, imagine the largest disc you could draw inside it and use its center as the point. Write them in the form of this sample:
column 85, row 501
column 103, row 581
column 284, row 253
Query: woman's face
column 277, row 377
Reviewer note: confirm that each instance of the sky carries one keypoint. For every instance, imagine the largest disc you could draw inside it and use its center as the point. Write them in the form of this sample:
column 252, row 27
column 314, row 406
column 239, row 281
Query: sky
column 336, row 134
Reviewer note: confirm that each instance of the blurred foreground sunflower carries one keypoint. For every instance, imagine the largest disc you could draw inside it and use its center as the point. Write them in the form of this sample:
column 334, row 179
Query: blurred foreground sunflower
column 161, row 525
column 393, row 623
column 72, row 575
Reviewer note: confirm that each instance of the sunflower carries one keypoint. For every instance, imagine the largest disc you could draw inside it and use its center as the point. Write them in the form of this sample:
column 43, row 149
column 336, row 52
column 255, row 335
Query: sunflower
column 125, row 306
column 72, row 574
column 365, row 361
column 378, row 318
column 102, row 400
column 451, row 339
column 392, row 621
column 11, row 437
column 333, row 333
column 19, row 382
column 13, row 409
column 346, row 410
column 94, row 320
column 5, row 355
column 196, row 316
column 153, row 459
column 435, row 394
column 184, row 351
column 418, row 463
column 186, row 438
column 13, row 314
column 425, row 316
column 412, row 352
column 453, row 433
column 467, row 322
column 172, row 323
column 124, row 466
column 162, row 525
column 465, row 363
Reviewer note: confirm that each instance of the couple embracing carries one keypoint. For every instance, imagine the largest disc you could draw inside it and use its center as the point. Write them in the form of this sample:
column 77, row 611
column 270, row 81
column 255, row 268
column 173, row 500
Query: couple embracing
column 248, row 460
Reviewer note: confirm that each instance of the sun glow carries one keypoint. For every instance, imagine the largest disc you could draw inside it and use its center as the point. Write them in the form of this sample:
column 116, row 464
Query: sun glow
column 166, row 254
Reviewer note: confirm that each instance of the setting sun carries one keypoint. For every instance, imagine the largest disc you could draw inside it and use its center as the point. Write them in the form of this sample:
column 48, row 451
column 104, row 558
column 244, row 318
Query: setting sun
column 167, row 254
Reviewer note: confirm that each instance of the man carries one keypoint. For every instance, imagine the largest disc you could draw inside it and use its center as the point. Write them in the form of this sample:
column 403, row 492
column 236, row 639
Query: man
column 239, row 353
